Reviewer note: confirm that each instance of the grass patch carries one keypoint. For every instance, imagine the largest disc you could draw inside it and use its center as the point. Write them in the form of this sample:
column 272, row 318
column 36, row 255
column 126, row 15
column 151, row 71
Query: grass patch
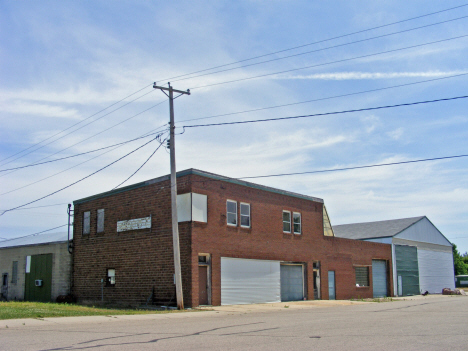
column 15, row 309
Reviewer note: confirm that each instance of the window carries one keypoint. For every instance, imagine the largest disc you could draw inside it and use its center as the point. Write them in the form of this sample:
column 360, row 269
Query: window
column 86, row 222
column 110, row 277
column 362, row 276
column 14, row 272
column 245, row 215
column 286, row 221
column 100, row 221
column 297, row 222
column 231, row 212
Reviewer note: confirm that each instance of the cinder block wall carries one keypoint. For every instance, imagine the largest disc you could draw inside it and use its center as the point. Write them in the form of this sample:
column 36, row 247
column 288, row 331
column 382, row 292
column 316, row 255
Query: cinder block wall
column 266, row 240
column 61, row 267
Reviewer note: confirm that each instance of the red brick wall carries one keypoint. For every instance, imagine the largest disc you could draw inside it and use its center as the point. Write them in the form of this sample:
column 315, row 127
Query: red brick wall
column 143, row 259
column 266, row 240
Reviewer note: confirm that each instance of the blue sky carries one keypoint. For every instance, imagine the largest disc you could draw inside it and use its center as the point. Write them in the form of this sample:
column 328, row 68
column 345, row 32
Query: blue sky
column 63, row 61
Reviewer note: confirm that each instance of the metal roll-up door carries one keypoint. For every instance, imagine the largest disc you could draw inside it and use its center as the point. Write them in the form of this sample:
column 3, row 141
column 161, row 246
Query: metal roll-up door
column 407, row 270
column 245, row 281
column 435, row 271
column 379, row 278
column 292, row 282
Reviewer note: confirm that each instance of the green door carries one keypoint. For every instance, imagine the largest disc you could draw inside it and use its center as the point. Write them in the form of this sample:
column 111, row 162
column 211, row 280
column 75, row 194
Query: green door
column 38, row 285
column 407, row 270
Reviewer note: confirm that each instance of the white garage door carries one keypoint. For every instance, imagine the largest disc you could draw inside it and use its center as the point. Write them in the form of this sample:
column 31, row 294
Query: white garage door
column 435, row 271
column 245, row 281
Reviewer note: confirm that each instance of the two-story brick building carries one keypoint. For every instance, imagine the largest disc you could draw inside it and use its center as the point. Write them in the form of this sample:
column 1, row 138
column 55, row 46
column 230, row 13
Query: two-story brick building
column 240, row 243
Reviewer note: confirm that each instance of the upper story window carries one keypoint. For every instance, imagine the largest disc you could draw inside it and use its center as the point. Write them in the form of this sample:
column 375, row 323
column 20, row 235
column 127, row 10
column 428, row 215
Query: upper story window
column 297, row 223
column 245, row 215
column 231, row 212
column 86, row 222
column 286, row 221
column 110, row 277
column 100, row 220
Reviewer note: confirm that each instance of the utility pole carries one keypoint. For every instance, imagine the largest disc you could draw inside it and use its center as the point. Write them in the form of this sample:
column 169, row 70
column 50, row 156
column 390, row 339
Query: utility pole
column 175, row 224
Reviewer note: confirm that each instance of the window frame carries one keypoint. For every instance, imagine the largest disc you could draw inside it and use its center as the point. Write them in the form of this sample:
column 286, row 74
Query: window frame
column 294, row 223
column 244, row 215
column 358, row 283
column 109, row 280
column 14, row 272
column 289, row 222
column 88, row 226
column 227, row 213
column 100, row 229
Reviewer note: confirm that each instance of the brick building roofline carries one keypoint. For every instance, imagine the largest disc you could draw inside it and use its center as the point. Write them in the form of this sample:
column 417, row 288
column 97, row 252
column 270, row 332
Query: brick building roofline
column 192, row 171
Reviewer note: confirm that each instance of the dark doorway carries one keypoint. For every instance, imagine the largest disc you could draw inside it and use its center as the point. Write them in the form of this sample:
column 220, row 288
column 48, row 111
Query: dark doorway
column 4, row 292
column 203, row 285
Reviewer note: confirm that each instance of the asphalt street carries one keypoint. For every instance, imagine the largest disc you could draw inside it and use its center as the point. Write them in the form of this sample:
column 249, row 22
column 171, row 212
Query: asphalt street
column 419, row 323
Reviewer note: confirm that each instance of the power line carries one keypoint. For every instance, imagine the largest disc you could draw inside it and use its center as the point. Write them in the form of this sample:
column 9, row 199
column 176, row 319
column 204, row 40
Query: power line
column 78, row 181
column 30, row 208
column 63, row 171
column 325, row 98
column 330, row 62
column 317, row 42
column 327, row 113
column 161, row 142
column 92, row 136
column 25, row 236
column 74, row 126
column 76, row 155
column 321, row 49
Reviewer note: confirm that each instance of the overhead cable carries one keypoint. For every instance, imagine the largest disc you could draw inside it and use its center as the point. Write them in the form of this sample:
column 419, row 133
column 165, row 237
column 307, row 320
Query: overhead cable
column 78, row 181
column 319, row 41
column 330, row 62
column 327, row 113
column 321, row 49
column 325, row 98
column 160, row 143
column 76, row 125
column 44, row 231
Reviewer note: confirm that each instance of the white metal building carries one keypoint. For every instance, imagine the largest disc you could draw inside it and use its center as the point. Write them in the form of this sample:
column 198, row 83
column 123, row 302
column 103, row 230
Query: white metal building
column 421, row 255
column 35, row 267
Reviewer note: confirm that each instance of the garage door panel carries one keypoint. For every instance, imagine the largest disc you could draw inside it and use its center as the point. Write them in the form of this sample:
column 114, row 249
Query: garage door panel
column 245, row 281
column 292, row 282
column 435, row 271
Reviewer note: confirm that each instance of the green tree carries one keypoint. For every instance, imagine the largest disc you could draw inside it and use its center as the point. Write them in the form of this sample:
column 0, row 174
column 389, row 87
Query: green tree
column 459, row 265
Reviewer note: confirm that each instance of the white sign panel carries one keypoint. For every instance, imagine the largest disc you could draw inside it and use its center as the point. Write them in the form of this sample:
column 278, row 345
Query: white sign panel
column 134, row 224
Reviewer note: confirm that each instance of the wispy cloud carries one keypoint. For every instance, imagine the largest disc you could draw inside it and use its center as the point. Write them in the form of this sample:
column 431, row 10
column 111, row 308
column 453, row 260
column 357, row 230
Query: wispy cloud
column 370, row 75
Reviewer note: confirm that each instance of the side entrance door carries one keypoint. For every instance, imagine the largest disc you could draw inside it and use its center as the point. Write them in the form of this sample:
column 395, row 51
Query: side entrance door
column 38, row 283
column 4, row 291
column 203, row 285
column 331, row 285
column 379, row 278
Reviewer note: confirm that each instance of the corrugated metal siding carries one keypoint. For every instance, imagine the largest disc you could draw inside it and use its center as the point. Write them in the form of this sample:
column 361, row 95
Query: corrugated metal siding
column 379, row 278
column 424, row 231
column 407, row 268
column 435, row 271
column 292, row 283
column 245, row 281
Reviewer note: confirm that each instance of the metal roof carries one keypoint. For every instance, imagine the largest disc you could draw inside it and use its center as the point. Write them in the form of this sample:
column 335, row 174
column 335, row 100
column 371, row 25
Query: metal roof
column 203, row 174
column 38, row 239
column 369, row 230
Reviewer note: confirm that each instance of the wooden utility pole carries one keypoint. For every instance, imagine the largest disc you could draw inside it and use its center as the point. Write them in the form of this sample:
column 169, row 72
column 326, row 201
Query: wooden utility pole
column 175, row 224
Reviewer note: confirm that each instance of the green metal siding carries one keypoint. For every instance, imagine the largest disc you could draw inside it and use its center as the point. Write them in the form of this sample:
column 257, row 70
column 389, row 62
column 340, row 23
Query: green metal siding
column 41, row 268
column 407, row 268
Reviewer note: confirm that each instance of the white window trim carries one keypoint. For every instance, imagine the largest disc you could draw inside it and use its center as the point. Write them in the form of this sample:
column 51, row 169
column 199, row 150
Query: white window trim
column 300, row 223
column 240, row 214
column 289, row 232
column 230, row 224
